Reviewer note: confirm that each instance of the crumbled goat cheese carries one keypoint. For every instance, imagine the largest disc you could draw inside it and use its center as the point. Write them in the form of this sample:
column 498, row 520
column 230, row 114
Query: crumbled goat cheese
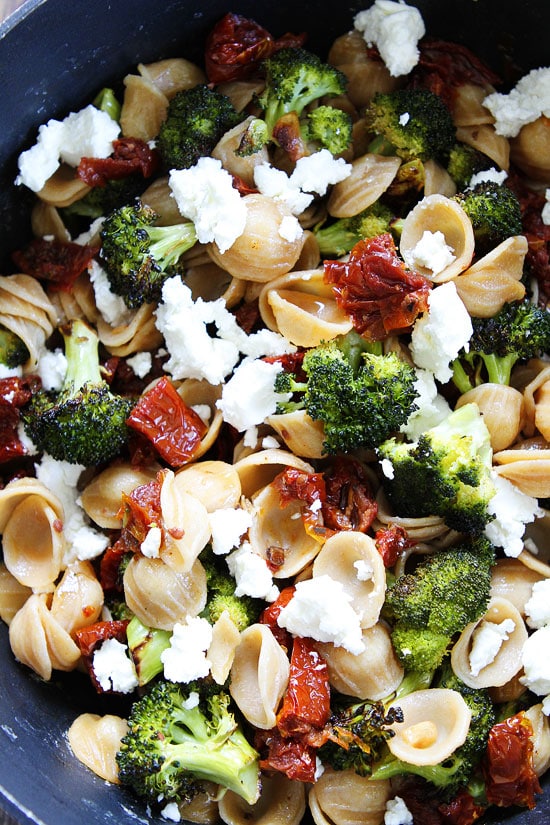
column 194, row 353
column 203, row 411
column 512, row 509
column 88, row 133
column 440, row 334
column 432, row 407
column 491, row 175
column 89, row 234
column 28, row 445
column 545, row 214
column 431, row 252
column 365, row 571
column 276, row 184
column 205, row 194
column 228, row 525
column 52, row 368
column 150, row 546
column 185, row 659
column 537, row 608
column 395, row 29
column 486, row 643
column 397, row 812
column 251, row 573
column 321, row 610
column 270, row 443
column 404, row 119
column 10, row 372
column 387, row 468
column 250, row 438
column 536, row 662
column 112, row 667
column 61, row 478
column 316, row 172
column 290, row 228
column 141, row 363
column 249, row 396
column 171, row 812
column 111, row 306
column 526, row 102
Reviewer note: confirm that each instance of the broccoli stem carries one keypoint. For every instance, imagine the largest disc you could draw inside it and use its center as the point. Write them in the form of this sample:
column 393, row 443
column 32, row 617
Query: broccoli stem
column 168, row 243
column 499, row 367
column 146, row 645
column 81, row 352
column 438, row 775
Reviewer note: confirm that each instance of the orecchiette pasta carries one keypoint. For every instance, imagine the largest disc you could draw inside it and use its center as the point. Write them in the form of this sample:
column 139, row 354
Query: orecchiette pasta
column 102, row 496
column 13, row 594
column 371, row 175
column 95, row 740
column 345, row 798
column 27, row 312
column 282, row 802
column 39, row 641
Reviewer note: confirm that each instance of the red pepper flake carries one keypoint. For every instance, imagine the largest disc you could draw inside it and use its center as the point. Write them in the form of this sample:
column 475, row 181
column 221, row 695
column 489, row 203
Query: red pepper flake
column 242, row 187
column 130, row 155
column 508, row 770
column 57, row 262
column 90, row 637
column 289, row 755
column 306, row 702
column 350, row 503
column 174, row 429
column 376, row 290
column 390, row 542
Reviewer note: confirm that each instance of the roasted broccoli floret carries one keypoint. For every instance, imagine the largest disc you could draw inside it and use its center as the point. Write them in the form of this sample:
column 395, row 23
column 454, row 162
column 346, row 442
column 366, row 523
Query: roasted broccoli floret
column 459, row 769
column 359, row 405
column 410, row 123
column 464, row 162
column 220, row 595
column 446, row 472
column 330, row 127
column 494, row 211
column 294, row 79
column 177, row 737
column 101, row 200
column 83, row 423
column 341, row 236
column 195, row 121
column 146, row 644
column 13, row 351
column 519, row 331
column 139, row 256
column 444, row 592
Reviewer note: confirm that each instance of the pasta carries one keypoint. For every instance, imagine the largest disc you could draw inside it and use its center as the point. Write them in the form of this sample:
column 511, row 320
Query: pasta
column 228, row 535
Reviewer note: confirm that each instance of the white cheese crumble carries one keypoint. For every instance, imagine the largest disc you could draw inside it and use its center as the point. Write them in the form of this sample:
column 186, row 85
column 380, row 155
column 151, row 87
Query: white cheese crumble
column 404, row 119
column 276, row 184
column 321, row 610
column 431, row 252
column 312, row 174
column 228, row 525
column 151, row 544
column 537, row 608
column 185, row 659
column 251, row 573
column 171, row 812
column 545, row 214
column 432, row 407
column 395, row 29
column 88, row 133
column 397, row 812
column 440, row 334
column 365, row 571
column 491, row 175
column 526, row 102
column 141, row 363
column 205, row 194
column 249, row 396
column 536, row 662
column 61, row 478
column 112, row 667
column 290, row 228
column 387, row 468
column 512, row 509
column 111, row 306
column 10, row 372
column 194, row 352
column 52, row 368
column 486, row 643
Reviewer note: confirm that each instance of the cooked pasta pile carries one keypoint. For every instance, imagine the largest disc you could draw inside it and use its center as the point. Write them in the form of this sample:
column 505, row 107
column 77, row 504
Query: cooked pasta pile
column 281, row 369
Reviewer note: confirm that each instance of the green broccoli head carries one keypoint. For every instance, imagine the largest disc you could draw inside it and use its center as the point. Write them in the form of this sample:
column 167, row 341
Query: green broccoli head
column 220, row 595
column 139, row 256
column 411, row 123
column 464, row 162
column 341, row 236
column 177, row 737
column 446, row 472
column 519, row 331
column 418, row 649
column 494, row 211
column 101, row 200
column 359, row 407
column 13, row 350
column 330, row 127
column 195, row 121
column 83, row 423
column 294, row 78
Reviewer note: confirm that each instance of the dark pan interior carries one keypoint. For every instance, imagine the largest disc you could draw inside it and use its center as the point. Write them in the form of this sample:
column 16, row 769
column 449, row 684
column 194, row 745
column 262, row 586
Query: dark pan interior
column 54, row 55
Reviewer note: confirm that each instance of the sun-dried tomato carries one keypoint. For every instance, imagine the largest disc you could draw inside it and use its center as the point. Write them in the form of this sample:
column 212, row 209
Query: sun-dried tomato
column 297, row 485
column 236, row 46
column 391, row 541
column 536, row 232
column 130, row 155
column 90, row 637
column 376, row 290
column 168, row 423
column 14, row 393
column 57, row 262
column 141, row 509
column 510, row 778
column 306, row 703
column 289, row 755
column 462, row 810
column 350, row 503
column 270, row 614
column 109, row 566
